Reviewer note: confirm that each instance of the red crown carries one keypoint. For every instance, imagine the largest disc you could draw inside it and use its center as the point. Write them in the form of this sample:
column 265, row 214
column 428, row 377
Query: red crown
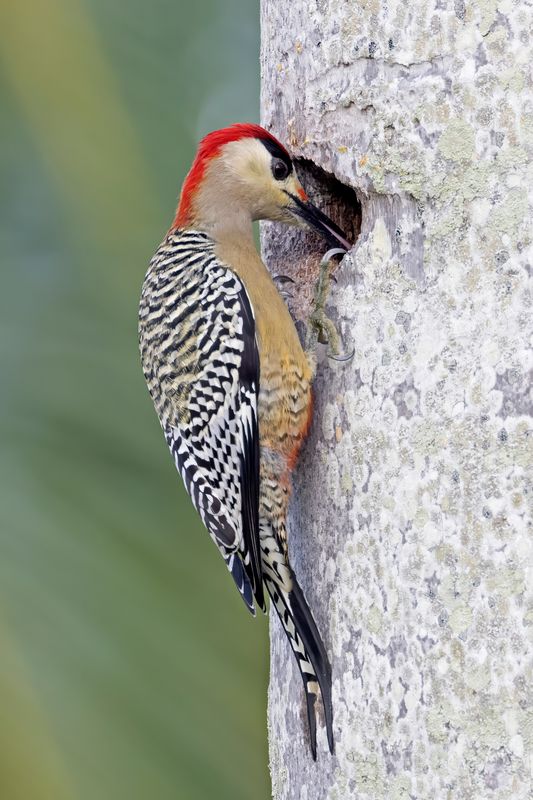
column 209, row 147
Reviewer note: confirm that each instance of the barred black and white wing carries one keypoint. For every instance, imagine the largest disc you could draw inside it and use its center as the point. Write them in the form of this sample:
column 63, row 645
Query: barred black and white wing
column 201, row 363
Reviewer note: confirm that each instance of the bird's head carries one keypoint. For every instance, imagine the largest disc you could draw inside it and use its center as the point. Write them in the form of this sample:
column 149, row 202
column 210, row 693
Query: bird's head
column 241, row 174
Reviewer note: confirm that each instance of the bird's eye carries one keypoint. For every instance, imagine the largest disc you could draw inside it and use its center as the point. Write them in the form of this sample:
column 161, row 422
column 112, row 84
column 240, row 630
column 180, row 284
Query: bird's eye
column 280, row 169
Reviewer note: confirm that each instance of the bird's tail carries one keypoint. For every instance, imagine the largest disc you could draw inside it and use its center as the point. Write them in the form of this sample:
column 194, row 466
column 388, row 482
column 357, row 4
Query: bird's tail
column 236, row 567
column 307, row 645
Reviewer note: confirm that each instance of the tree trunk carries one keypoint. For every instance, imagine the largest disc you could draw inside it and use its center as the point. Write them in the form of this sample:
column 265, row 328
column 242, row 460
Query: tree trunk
column 409, row 519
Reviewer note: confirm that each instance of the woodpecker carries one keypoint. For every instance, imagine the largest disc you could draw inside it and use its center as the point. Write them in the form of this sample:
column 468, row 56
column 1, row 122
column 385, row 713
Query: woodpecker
column 229, row 379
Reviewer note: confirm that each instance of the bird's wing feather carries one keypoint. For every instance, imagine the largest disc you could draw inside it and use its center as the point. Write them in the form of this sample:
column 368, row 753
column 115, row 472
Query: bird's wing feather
column 205, row 365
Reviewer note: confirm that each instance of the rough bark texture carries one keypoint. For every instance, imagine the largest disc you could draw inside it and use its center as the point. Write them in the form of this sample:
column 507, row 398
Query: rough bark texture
column 409, row 522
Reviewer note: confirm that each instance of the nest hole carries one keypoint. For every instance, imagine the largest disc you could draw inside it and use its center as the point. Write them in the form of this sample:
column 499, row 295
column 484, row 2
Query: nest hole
column 296, row 252
column 333, row 197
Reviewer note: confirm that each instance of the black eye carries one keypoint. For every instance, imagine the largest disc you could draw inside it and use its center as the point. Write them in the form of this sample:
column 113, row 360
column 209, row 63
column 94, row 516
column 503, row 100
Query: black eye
column 280, row 169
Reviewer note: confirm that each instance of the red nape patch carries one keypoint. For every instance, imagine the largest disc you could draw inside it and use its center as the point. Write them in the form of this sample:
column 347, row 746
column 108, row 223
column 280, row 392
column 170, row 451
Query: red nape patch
column 303, row 195
column 209, row 147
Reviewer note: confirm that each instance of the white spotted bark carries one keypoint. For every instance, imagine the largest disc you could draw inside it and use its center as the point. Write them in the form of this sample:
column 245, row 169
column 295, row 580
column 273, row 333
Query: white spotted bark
column 410, row 524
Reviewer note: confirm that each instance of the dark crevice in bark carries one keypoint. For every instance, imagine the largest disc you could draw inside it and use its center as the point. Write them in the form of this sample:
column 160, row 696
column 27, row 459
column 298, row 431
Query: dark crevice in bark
column 338, row 201
column 296, row 252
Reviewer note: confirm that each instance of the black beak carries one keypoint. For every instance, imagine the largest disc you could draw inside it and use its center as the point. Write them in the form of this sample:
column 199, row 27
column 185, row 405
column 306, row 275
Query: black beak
column 311, row 215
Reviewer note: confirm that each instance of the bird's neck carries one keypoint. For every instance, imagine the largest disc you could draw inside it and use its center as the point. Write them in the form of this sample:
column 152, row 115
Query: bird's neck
column 230, row 228
column 218, row 207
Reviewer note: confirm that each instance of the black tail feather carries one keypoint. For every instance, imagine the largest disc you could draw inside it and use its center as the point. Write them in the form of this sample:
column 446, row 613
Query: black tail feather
column 236, row 567
column 314, row 646
column 310, row 653
column 311, row 719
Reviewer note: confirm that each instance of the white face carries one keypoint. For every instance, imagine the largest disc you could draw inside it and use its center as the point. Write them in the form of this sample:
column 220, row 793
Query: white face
column 260, row 180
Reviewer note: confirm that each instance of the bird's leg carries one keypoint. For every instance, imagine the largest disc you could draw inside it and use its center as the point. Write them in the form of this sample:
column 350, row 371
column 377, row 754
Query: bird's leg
column 320, row 327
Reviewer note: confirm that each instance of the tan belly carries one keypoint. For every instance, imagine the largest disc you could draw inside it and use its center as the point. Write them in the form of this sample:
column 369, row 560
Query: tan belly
column 284, row 416
column 284, row 408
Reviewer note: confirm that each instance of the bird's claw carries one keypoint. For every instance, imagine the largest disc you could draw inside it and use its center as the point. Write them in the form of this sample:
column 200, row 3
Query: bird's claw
column 334, row 251
column 283, row 279
column 342, row 357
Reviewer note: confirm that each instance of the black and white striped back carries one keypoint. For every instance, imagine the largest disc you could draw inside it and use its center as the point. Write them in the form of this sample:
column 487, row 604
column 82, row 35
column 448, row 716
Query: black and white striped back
column 200, row 361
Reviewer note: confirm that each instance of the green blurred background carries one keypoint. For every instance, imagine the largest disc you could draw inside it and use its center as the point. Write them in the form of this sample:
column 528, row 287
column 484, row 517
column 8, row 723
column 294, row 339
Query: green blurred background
column 129, row 667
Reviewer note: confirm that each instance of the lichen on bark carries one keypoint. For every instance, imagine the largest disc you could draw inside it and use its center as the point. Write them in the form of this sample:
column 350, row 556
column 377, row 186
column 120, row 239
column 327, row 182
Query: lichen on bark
column 410, row 524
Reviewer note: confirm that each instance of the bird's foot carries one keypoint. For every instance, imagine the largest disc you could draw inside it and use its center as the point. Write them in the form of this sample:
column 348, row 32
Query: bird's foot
column 321, row 328
column 282, row 282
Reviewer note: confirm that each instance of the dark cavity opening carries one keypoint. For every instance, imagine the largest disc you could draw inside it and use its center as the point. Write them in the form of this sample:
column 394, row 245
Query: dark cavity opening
column 334, row 198
column 296, row 252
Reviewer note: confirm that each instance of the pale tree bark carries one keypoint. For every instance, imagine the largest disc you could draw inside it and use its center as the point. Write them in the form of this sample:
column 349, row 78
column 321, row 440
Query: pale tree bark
column 409, row 520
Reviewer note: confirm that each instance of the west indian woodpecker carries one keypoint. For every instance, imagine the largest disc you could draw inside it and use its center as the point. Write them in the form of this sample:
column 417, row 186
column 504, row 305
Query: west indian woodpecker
column 230, row 381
